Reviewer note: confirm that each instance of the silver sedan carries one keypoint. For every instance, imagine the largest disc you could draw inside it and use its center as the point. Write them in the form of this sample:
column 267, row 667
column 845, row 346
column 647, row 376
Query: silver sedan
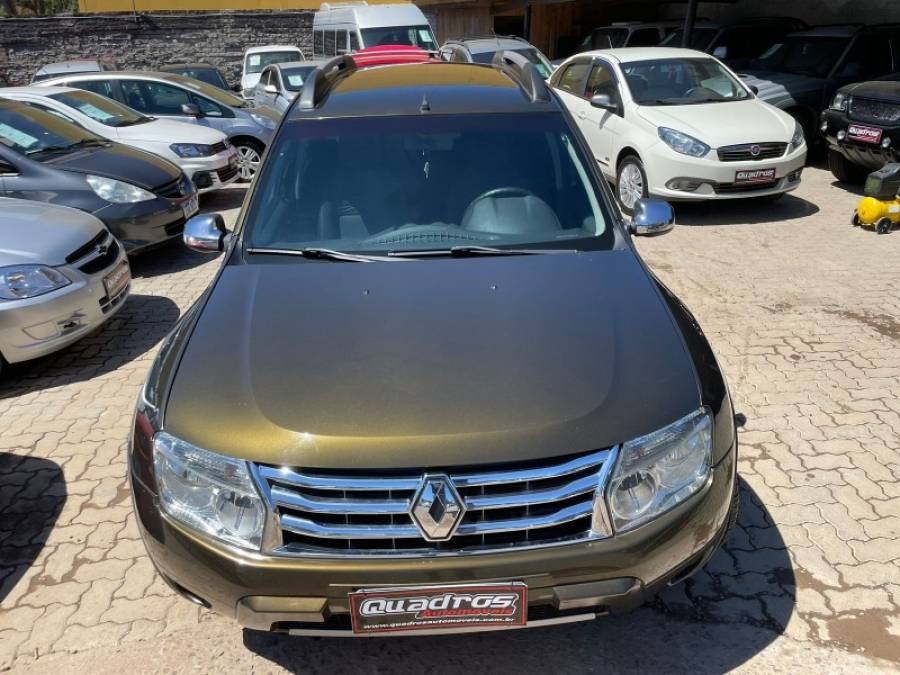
column 62, row 275
column 280, row 83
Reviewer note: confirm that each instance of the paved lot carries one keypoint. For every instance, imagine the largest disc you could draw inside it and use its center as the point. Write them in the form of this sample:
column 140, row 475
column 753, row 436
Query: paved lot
column 804, row 313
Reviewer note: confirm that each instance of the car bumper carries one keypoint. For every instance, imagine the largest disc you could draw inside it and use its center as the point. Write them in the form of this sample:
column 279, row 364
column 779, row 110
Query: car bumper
column 716, row 179
column 310, row 594
column 39, row 326
column 869, row 155
column 138, row 226
column 212, row 173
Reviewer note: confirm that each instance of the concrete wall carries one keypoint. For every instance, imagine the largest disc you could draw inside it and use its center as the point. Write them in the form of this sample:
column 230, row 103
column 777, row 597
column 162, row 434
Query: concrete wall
column 148, row 42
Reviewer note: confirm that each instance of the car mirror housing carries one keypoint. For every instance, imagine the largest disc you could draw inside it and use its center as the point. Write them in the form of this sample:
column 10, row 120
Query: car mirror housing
column 603, row 101
column 206, row 233
column 652, row 217
column 191, row 109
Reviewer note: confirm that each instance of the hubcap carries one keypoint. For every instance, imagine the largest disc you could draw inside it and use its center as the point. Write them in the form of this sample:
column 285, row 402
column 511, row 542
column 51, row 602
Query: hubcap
column 631, row 185
column 248, row 161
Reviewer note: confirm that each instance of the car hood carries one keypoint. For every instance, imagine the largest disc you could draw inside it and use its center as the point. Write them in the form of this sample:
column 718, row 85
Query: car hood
column 121, row 162
column 749, row 121
column 781, row 89
column 33, row 232
column 170, row 131
column 430, row 363
column 878, row 90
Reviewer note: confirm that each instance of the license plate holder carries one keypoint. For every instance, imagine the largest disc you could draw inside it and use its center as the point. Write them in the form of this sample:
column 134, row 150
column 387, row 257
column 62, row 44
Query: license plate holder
column 117, row 280
column 191, row 206
column 750, row 176
column 864, row 134
column 447, row 607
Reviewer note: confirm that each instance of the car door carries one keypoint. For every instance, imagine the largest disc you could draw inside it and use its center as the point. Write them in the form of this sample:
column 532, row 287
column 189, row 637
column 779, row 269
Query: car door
column 600, row 126
column 158, row 99
column 261, row 96
column 570, row 83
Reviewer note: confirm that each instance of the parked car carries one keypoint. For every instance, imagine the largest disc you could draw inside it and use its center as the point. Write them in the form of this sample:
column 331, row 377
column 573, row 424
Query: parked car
column 737, row 43
column 463, row 418
column 279, row 83
column 482, row 50
column 71, row 68
column 204, row 72
column 345, row 27
column 257, row 58
column 802, row 72
column 652, row 118
column 628, row 34
column 862, row 128
column 369, row 57
column 62, row 275
column 143, row 199
column 171, row 96
column 205, row 155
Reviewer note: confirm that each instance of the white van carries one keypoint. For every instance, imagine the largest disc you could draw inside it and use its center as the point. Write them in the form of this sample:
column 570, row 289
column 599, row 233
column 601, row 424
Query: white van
column 344, row 27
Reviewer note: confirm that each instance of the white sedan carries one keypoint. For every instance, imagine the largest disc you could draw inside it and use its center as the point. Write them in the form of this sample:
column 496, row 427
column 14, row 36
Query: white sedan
column 679, row 125
column 205, row 155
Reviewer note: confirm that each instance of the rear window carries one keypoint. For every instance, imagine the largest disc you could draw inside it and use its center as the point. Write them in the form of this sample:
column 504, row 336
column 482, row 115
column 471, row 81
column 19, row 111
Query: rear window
column 411, row 183
column 294, row 78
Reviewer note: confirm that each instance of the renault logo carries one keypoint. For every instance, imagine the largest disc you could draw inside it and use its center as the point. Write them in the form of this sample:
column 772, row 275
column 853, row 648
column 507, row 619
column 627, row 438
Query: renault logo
column 437, row 507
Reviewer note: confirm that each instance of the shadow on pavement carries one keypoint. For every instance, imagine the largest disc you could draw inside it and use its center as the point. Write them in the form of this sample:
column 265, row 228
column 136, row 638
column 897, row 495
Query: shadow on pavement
column 32, row 495
column 170, row 258
column 142, row 322
column 231, row 197
column 716, row 621
column 743, row 211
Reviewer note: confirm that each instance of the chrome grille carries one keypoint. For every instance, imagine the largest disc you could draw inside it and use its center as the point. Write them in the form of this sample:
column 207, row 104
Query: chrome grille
column 744, row 152
column 878, row 112
column 521, row 505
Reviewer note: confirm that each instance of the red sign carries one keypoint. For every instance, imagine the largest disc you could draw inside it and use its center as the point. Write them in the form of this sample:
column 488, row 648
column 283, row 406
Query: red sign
column 754, row 176
column 858, row 132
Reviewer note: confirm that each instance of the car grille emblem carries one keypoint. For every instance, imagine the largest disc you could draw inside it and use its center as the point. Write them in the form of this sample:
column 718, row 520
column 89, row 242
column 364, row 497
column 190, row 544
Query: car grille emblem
column 102, row 249
column 437, row 508
column 755, row 150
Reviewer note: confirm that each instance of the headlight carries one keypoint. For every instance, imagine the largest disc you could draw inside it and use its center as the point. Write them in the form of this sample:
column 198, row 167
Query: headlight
column 27, row 281
column 679, row 142
column 192, row 150
column 208, row 492
column 658, row 471
column 262, row 120
column 840, row 101
column 797, row 138
column 117, row 191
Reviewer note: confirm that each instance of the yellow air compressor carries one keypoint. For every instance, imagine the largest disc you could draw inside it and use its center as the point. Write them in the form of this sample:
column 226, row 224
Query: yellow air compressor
column 880, row 208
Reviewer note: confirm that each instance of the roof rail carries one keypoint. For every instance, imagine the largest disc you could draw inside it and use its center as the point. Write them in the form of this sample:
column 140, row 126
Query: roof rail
column 523, row 72
column 325, row 6
column 486, row 36
column 320, row 81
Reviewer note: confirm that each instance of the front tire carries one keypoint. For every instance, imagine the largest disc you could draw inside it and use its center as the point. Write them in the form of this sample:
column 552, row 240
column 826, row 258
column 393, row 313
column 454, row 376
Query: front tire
column 843, row 169
column 249, row 154
column 631, row 183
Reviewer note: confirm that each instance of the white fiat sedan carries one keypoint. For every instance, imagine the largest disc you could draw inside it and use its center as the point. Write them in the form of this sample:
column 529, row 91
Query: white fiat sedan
column 678, row 125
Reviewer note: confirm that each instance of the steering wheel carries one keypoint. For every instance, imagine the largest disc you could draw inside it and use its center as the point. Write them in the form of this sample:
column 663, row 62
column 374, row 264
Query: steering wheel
column 502, row 192
column 695, row 90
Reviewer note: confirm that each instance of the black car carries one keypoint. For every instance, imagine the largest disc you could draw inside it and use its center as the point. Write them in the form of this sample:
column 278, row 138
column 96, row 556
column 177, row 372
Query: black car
column 862, row 127
column 205, row 72
column 801, row 73
column 143, row 199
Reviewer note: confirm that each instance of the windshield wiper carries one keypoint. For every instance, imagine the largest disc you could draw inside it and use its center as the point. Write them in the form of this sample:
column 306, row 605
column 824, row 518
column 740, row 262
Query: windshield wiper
column 321, row 254
column 84, row 143
column 471, row 251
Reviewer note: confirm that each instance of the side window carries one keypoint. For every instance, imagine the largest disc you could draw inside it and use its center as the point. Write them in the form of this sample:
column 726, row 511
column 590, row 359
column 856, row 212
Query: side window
column 266, row 78
column 7, row 168
column 318, row 43
column 601, row 81
column 869, row 57
column 329, row 43
column 207, row 107
column 156, row 98
column 340, row 39
column 644, row 37
column 354, row 41
column 102, row 87
column 571, row 79
column 459, row 56
column 446, row 53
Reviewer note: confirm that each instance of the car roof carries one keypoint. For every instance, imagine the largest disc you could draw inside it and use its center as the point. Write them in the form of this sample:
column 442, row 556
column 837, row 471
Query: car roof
column 838, row 30
column 270, row 48
column 630, row 54
column 298, row 64
column 130, row 74
column 490, row 43
column 445, row 88
column 63, row 66
column 38, row 91
column 176, row 66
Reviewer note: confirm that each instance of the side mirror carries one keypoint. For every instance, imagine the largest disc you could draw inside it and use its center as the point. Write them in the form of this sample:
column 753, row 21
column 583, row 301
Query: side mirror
column 721, row 52
column 754, row 88
column 206, row 233
column 191, row 109
column 271, row 89
column 603, row 101
column 652, row 217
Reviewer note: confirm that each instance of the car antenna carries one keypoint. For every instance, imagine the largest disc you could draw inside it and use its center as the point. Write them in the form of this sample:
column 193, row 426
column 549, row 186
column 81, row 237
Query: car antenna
column 426, row 106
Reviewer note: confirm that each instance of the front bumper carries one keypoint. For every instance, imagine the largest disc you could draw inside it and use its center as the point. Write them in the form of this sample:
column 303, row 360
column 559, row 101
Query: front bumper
column 716, row 178
column 310, row 594
column 143, row 224
column 211, row 173
column 868, row 155
column 39, row 326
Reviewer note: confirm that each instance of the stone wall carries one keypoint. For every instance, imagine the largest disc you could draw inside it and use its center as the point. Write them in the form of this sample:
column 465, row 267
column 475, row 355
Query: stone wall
column 148, row 40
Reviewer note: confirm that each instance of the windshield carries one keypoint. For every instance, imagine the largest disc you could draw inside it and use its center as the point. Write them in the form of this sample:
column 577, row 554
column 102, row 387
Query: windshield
column 37, row 134
column 208, row 75
column 681, row 82
column 700, row 38
column 803, row 55
column 295, row 77
column 216, row 94
column 530, row 53
column 385, row 184
column 417, row 36
column 101, row 109
column 256, row 62
column 606, row 38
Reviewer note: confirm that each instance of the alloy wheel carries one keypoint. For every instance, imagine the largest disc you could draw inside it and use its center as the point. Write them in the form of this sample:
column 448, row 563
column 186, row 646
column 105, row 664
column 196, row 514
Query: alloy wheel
column 248, row 161
column 631, row 185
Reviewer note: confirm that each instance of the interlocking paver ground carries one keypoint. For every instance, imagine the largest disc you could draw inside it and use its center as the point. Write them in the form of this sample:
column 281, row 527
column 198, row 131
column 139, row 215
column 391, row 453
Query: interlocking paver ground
column 804, row 314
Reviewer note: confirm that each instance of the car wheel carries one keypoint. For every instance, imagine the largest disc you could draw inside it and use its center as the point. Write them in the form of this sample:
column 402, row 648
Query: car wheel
column 631, row 183
column 883, row 226
column 249, row 156
column 845, row 170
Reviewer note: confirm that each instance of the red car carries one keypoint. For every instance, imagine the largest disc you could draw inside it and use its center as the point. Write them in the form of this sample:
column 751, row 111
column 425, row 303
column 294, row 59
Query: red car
column 386, row 55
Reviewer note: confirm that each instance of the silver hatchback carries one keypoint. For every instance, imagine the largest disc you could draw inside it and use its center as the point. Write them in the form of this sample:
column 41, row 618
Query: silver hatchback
column 62, row 275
